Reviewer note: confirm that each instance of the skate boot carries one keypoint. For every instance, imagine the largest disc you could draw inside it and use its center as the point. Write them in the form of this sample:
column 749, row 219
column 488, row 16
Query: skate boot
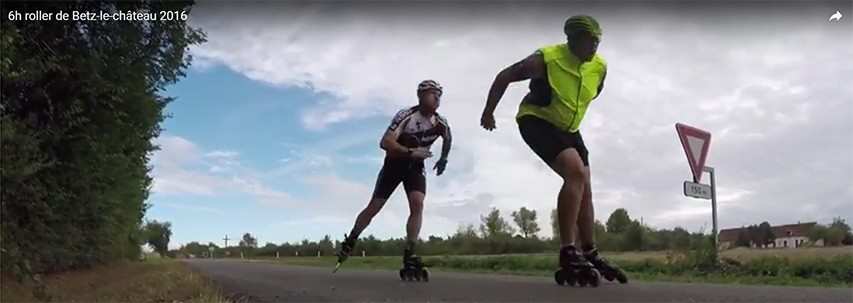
column 575, row 269
column 345, row 251
column 413, row 268
column 607, row 270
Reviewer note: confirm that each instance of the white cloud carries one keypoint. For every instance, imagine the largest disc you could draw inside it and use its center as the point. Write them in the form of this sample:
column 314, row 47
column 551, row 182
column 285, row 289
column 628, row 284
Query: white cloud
column 781, row 127
column 174, row 151
column 222, row 154
column 221, row 161
column 313, row 221
column 176, row 169
column 179, row 168
column 195, row 208
column 262, row 192
column 185, row 182
column 325, row 154
column 731, row 194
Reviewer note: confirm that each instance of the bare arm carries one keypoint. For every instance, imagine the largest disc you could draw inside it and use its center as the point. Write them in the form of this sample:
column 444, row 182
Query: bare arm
column 531, row 67
column 391, row 146
column 396, row 150
column 389, row 139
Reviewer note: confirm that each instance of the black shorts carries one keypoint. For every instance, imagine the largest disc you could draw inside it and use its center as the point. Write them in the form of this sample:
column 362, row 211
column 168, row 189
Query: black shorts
column 394, row 171
column 547, row 141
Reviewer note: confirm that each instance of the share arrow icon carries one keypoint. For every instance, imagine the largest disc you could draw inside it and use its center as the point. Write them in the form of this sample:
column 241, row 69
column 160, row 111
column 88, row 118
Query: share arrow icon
column 836, row 16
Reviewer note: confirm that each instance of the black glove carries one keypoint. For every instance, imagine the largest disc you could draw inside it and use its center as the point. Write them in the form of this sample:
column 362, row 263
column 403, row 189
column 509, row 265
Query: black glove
column 439, row 166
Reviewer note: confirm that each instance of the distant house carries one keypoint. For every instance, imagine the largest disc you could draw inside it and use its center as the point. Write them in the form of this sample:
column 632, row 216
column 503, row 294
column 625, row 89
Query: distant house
column 793, row 235
column 787, row 236
column 728, row 237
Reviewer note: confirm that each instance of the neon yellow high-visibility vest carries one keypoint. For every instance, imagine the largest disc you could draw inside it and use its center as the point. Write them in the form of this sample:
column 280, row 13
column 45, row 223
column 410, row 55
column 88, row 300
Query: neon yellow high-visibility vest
column 574, row 84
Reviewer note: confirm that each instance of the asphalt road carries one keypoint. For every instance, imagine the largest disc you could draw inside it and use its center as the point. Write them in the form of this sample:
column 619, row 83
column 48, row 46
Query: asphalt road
column 268, row 282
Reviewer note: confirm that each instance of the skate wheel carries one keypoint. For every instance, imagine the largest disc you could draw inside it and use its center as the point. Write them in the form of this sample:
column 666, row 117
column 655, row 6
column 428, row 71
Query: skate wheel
column 582, row 282
column 559, row 277
column 594, row 278
column 425, row 274
column 572, row 277
column 621, row 277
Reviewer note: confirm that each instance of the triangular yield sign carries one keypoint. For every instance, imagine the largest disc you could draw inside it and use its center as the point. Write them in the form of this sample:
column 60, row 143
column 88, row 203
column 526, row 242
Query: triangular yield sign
column 695, row 143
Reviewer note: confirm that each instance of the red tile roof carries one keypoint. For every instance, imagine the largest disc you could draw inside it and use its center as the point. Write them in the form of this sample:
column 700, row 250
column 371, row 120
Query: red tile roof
column 781, row 231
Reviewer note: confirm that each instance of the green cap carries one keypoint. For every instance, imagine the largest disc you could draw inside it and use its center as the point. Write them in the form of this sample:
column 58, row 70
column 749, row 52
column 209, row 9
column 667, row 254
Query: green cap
column 582, row 23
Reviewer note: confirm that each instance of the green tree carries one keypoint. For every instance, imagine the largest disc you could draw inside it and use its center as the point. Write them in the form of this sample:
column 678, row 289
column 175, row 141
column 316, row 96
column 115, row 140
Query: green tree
column 526, row 221
column 304, row 248
column 664, row 239
column 195, row 248
column 326, row 247
column 817, row 233
column 369, row 244
column 603, row 239
column 158, row 236
column 619, row 221
column 654, row 239
column 268, row 250
column 81, row 103
column 633, row 237
column 493, row 225
column 680, row 238
column 837, row 232
column 766, row 234
column 248, row 241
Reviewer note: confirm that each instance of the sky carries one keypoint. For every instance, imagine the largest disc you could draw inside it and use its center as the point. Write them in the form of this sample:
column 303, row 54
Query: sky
column 275, row 129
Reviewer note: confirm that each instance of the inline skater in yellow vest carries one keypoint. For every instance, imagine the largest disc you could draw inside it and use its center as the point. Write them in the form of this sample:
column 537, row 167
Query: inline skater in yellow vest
column 564, row 80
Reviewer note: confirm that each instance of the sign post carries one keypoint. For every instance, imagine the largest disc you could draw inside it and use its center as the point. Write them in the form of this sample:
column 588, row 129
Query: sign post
column 713, row 186
column 696, row 143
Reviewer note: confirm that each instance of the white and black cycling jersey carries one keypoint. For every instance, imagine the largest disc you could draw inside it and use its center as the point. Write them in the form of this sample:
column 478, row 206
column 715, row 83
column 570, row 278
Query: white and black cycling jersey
column 414, row 130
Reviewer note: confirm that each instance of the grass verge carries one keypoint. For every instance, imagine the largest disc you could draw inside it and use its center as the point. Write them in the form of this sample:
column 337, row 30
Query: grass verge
column 154, row 280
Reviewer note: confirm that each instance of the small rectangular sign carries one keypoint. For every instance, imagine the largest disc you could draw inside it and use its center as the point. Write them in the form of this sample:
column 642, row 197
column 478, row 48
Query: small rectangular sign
column 697, row 190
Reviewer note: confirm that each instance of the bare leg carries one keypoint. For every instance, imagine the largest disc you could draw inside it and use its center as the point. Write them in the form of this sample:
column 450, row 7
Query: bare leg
column 366, row 215
column 416, row 209
column 586, row 218
column 569, row 166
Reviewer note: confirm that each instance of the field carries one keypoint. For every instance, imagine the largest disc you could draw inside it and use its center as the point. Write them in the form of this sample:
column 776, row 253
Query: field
column 745, row 254
column 155, row 280
column 827, row 267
